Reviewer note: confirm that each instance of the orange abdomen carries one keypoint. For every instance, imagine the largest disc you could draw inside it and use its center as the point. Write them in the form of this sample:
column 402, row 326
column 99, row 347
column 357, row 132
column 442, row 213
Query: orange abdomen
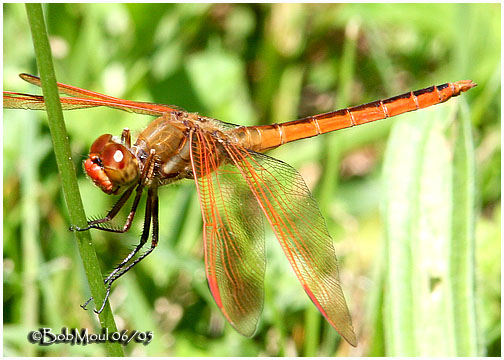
column 265, row 137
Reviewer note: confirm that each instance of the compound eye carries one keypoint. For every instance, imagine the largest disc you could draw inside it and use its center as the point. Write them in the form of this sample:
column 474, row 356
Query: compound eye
column 120, row 164
column 100, row 143
column 115, row 157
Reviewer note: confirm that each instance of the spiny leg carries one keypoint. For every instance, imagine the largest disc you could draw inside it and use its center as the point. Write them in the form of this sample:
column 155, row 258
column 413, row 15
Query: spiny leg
column 151, row 212
column 146, row 176
column 125, row 228
column 94, row 224
column 112, row 213
column 143, row 240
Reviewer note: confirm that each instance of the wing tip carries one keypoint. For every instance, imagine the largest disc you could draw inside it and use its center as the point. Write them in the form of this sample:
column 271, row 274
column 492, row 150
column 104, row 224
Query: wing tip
column 349, row 336
column 27, row 77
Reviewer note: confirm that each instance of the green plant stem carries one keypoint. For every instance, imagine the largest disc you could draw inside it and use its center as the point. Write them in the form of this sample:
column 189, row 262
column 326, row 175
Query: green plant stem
column 66, row 168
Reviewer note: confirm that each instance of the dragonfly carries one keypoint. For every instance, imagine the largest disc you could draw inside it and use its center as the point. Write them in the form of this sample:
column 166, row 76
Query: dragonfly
column 238, row 187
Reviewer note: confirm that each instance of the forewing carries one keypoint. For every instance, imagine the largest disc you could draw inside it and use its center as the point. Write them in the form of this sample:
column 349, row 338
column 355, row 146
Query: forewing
column 299, row 226
column 13, row 100
column 81, row 99
column 233, row 234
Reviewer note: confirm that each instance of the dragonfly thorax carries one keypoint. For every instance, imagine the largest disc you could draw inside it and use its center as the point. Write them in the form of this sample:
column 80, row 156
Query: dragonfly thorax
column 168, row 138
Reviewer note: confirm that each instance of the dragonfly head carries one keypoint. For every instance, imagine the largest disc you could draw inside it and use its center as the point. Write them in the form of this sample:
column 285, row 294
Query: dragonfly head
column 111, row 165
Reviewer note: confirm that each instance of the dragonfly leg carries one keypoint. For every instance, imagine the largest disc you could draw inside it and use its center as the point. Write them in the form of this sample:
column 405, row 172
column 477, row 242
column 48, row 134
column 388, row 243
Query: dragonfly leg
column 125, row 228
column 143, row 240
column 86, row 303
column 95, row 224
column 151, row 213
column 108, row 281
column 126, row 137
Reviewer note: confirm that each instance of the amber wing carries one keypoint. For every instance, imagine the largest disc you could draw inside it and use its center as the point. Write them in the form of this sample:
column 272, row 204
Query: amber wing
column 234, row 258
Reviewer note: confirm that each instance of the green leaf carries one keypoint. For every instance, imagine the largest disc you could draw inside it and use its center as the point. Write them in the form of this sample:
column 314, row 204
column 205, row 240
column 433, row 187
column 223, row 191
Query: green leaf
column 429, row 215
column 463, row 240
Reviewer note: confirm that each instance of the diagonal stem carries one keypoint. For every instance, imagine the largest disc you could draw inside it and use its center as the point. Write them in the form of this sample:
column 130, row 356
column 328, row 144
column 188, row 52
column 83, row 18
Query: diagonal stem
column 66, row 167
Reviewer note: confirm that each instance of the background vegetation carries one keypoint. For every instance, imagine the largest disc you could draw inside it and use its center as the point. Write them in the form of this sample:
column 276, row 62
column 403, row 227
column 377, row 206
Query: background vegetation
column 256, row 64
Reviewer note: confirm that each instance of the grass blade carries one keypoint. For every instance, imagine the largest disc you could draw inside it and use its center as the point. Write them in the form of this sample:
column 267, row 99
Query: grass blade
column 66, row 166
column 463, row 240
column 429, row 211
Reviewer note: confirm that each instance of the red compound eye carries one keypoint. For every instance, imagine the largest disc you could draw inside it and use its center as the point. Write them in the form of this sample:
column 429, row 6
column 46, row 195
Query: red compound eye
column 115, row 156
column 100, row 143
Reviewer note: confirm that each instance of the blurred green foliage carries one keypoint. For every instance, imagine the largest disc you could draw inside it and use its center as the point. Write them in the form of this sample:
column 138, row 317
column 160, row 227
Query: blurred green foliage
column 244, row 64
